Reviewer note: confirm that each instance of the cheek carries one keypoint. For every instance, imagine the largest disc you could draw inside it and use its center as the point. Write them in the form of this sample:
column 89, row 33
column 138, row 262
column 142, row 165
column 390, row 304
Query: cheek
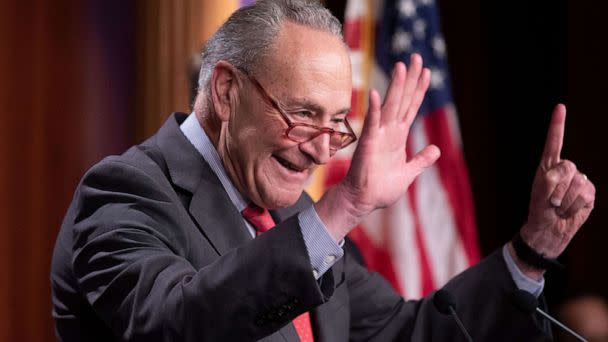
column 254, row 150
column 263, row 133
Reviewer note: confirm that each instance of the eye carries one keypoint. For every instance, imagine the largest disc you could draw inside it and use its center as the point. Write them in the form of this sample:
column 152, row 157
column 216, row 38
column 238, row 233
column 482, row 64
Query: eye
column 304, row 114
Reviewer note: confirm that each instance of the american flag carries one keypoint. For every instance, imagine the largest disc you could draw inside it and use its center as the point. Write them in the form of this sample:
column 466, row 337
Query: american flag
column 429, row 235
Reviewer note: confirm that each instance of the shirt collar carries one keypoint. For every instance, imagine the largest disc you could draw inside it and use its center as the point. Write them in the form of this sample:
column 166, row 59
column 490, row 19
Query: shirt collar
column 197, row 136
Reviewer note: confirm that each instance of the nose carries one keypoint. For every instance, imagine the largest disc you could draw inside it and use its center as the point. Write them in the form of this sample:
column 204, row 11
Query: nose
column 318, row 149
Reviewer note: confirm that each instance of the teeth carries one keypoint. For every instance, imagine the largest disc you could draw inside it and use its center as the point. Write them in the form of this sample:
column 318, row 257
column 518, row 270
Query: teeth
column 288, row 164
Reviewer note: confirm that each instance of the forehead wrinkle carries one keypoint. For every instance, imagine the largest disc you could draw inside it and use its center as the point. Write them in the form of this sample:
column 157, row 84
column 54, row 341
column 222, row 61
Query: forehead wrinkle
column 315, row 85
column 309, row 104
column 309, row 69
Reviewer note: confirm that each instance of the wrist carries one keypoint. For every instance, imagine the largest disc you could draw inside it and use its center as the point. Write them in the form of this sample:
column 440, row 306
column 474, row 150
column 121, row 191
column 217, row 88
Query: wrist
column 338, row 211
column 528, row 270
column 543, row 240
column 530, row 256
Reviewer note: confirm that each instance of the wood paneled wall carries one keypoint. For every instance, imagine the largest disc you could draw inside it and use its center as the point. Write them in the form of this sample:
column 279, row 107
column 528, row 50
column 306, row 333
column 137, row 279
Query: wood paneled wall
column 73, row 75
column 42, row 154
column 169, row 35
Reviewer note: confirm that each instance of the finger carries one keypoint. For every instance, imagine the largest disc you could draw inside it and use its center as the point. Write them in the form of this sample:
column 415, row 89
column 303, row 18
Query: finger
column 558, row 180
column 411, row 83
column 390, row 107
column 555, row 137
column 372, row 118
column 580, row 193
column 423, row 85
column 580, row 203
column 423, row 160
column 574, row 190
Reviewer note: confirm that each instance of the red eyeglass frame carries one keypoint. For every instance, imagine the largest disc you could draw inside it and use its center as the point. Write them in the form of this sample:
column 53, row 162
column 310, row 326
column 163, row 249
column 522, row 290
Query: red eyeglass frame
column 347, row 138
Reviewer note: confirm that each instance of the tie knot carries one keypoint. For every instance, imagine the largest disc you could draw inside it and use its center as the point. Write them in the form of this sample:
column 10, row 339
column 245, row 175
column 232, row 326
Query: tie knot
column 258, row 217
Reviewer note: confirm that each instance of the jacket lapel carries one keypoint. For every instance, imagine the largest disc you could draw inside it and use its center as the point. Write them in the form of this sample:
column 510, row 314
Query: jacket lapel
column 214, row 213
column 210, row 206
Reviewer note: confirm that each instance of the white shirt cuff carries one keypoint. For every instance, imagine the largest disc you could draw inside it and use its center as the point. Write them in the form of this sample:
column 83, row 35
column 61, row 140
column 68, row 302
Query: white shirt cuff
column 322, row 249
column 522, row 281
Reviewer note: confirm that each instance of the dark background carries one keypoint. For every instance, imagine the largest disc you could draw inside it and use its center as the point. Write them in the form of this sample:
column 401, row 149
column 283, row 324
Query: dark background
column 511, row 62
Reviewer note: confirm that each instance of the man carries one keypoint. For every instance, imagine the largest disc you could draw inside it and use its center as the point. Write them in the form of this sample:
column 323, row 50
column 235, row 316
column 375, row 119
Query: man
column 165, row 243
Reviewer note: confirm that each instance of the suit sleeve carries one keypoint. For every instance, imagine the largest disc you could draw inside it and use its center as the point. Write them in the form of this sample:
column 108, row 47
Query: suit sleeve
column 130, row 262
column 483, row 303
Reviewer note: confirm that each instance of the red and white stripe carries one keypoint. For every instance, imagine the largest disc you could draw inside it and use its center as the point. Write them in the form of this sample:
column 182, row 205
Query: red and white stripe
column 429, row 235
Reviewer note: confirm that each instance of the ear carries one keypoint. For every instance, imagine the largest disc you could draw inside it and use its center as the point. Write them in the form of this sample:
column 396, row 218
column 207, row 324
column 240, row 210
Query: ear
column 224, row 84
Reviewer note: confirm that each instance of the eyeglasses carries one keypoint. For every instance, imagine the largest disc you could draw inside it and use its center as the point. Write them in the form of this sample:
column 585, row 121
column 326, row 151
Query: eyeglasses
column 301, row 132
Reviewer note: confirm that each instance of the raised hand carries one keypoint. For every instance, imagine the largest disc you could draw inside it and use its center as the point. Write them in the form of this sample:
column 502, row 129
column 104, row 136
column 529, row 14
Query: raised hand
column 380, row 171
column 562, row 197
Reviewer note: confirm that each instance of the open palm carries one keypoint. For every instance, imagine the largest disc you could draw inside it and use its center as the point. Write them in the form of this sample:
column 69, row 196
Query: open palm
column 381, row 172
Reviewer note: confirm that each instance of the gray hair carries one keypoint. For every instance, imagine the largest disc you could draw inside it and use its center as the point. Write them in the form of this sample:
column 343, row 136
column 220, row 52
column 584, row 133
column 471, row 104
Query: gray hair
column 246, row 37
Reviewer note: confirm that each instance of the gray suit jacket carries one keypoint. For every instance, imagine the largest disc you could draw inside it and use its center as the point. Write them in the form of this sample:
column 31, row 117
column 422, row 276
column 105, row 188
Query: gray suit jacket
column 151, row 249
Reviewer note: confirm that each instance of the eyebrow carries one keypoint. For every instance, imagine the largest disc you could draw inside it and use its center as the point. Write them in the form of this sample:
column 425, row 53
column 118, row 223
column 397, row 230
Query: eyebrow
column 292, row 102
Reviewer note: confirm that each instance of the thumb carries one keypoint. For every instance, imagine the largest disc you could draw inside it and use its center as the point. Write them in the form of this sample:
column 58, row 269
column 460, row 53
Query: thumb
column 423, row 160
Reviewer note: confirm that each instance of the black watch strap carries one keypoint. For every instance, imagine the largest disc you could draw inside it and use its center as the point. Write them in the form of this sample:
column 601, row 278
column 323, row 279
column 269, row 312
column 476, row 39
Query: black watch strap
column 529, row 256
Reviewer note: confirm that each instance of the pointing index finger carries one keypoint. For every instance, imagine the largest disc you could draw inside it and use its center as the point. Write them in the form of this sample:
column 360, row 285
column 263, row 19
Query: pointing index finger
column 555, row 137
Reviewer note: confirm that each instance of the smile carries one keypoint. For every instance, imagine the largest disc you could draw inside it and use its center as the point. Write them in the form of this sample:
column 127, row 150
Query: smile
column 288, row 165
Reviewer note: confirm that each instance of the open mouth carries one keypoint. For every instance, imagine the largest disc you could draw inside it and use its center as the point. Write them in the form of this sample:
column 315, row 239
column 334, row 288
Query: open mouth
column 288, row 165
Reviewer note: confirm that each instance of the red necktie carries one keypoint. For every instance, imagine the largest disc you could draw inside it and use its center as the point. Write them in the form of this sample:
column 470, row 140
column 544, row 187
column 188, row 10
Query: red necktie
column 261, row 220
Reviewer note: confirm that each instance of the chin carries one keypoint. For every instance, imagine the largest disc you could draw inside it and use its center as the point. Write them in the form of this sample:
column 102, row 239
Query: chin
column 274, row 200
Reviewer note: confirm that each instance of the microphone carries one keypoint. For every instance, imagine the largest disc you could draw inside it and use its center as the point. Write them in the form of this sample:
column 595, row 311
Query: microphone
column 527, row 303
column 444, row 302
